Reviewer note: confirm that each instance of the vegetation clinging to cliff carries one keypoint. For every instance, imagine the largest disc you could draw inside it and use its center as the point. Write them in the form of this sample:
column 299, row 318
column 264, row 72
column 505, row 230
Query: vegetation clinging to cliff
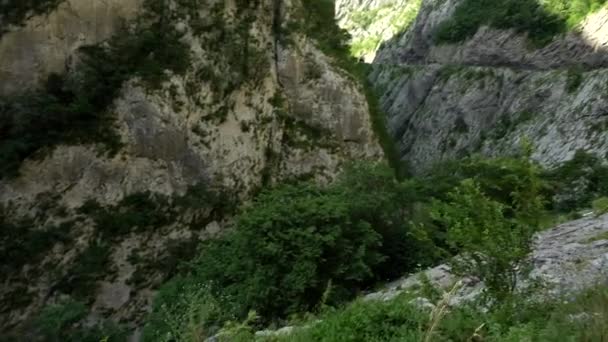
column 541, row 21
column 75, row 107
column 319, row 23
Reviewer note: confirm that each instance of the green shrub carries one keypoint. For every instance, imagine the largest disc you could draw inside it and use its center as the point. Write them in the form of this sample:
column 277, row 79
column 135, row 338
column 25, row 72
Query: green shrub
column 493, row 246
column 574, row 79
column 541, row 21
column 296, row 239
column 577, row 182
column 520, row 319
column 81, row 278
column 516, row 182
column 182, row 311
column 600, row 206
column 285, row 250
column 55, row 319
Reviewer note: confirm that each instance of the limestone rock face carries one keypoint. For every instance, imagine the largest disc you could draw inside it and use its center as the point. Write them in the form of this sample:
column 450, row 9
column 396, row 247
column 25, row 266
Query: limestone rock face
column 47, row 42
column 444, row 112
column 485, row 94
column 296, row 115
column 586, row 45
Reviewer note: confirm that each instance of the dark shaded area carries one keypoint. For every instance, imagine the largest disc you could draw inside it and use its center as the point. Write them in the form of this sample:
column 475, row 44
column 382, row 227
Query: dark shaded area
column 525, row 16
column 16, row 12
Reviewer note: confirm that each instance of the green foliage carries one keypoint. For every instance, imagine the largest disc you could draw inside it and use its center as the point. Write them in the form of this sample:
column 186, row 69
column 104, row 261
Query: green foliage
column 55, row 319
column 577, row 182
column 379, row 125
column 310, row 238
column 139, row 213
column 15, row 12
column 492, row 245
column 600, row 206
column 75, row 108
column 296, row 239
column 541, row 21
column 399, row 18
column 63, row 322
column 318, row 22
column 182, row 312
column 575, row 79
column 501, row 179
column 145, row 211
column 518, row 320
column 363, row 46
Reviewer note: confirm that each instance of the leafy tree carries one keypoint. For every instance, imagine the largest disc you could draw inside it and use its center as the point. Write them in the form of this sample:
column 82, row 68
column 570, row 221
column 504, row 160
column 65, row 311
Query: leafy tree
column 287, row 247
column 493, row 245
column 299, row 244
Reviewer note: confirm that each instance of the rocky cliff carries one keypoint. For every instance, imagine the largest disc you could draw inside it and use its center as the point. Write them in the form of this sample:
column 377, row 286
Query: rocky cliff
column 103, row 217
column 493, row 87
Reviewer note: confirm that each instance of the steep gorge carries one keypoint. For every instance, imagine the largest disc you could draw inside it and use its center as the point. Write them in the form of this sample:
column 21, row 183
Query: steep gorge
column 133, row 130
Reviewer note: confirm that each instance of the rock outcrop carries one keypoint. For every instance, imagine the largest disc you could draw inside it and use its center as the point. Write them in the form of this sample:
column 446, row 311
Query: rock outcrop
column 292, row 113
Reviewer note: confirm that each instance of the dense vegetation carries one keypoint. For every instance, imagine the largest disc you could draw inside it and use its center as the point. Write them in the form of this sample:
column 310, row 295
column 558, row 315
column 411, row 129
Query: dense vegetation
column 399, row 20
column 540, row 20
column 75, row 107
column 302, row 249
column 514, row 321
column 300, row 244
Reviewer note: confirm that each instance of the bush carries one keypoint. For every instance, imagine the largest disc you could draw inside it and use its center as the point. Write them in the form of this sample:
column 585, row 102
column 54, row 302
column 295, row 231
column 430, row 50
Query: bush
column 521, row 319
column 182, row 311
column 286, row 249
column 493, row 246
column 577, row 182
column 295, row 240
column 600, row 206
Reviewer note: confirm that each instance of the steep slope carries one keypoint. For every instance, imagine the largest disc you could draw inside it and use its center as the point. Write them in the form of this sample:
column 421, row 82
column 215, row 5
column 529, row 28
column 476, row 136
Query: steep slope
column 371, row 22
column 160, row 157
column 453, row 85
